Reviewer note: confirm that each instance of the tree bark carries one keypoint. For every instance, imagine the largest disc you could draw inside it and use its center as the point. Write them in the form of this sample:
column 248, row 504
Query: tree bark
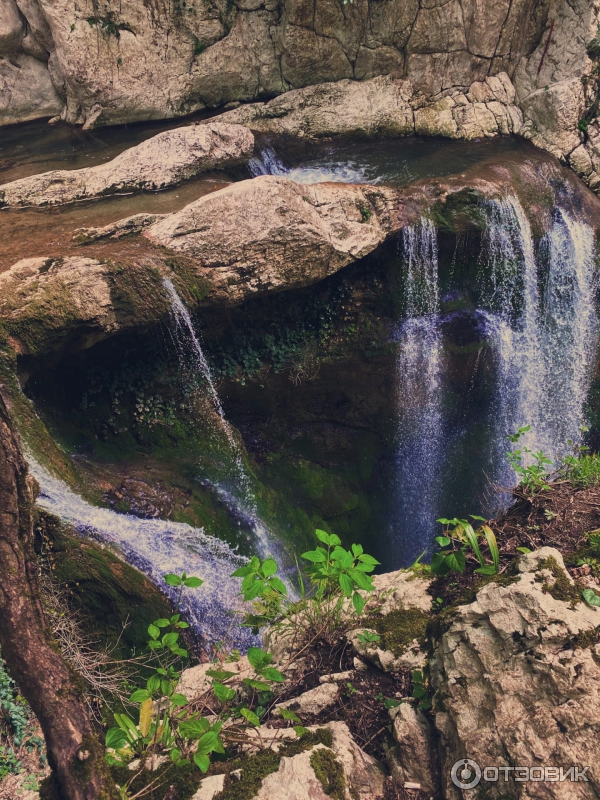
column 32, row 657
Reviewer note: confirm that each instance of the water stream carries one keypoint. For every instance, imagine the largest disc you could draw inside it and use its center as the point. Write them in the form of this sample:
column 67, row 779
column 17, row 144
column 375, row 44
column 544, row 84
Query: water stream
column 157, row 547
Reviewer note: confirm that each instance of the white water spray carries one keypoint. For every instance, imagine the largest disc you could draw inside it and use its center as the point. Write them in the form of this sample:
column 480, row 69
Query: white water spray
column 189, row 347
column 544, row 326
column 158, row 547
column 419, row 457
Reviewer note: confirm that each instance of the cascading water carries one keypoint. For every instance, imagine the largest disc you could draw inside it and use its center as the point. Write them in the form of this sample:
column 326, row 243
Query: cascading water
column 320, row 171
column 419, row 456
column 157, row 547
column 189, row 347
column 544, row 327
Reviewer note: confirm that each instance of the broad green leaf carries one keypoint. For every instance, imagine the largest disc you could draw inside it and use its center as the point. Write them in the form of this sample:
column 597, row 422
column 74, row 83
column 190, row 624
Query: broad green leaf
column 357, row 550
column 202, row 761
column 472, row 539
column 366, row 559
column 364, row 582
column 166, row 687
column 250, row 716
column 488, row 569
column 389, row 702
column 278, row 585
column 314, row 556
column 223, row 693
column 258, row 658
column 153, row 683
column 193, row 728
column 155, row 645
column 220, row 674
column 115, row 738
column 322, row 536
column 419, row 691
column 173, row 580
column 417, row 676
column 344, row 558
column 269, row 567
column 272, row 674
column 255, row 590
column 347, row 584
column 169, row 639
column 153, row 631
column 207, row 742
column 261, row 686
column 162, row 623
column 443, row 541
column 299, row 730
column 456, row 561
column 242, row 572
column 179, row 700
column 193, row 583
column 358, row 602
column 590, row 597
column 287, row 714
column 175, row 755
column 439, row 565
column 179, row 651
column 140, row 696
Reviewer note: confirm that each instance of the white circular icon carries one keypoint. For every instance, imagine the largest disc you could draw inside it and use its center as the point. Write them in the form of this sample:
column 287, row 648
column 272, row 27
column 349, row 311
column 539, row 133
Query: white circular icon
column 466, row 774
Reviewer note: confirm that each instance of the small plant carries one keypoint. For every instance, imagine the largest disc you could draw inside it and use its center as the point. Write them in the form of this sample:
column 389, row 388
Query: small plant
column 368, row 637
column 451, row 559
column 16, row 723
column 421, row 690
column 267, row 592
column 365, row 213
column 591, row 598
column 583, row 469
column 335, row 570
column 532, row 478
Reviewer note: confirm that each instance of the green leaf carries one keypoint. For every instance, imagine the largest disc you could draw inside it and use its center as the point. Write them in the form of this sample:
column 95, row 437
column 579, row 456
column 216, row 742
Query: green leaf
column 443, row 541
column 155, row 645
column 250, row 716
column 590, row 597
column 523, row 550
column 175, row 755
column 272, row 674
column 315, row 556
column 269, row 567
column 439, row 565
column 366, row 559
column 220, row 674
column 287, row 714
column 364, row 582
column 223, row 693
column 358, row 602
column 172, row 580
column 261, row 686
column 479, row 519
column 169, row 639
column 166, row 687
column 347, row 584
column 179, row 651
column 456, row 561
column 153, row 631
column 202, row 761
column 193, row 728
column 139, row 696
column 162, row 623
column 419, row 691
column 153, row 683
column 357, row 550
column 322, row 536
column 179, row 700
column 299, row 730
column 207, row 742
column 258, row 658
column 472, row 539
column 193, row 583
column 343, row 557
column 115, row 738
column 278, row 585
column 243, row 572
column 389, row 702
column 255, row 590
column 334, row 540
column 488, row 569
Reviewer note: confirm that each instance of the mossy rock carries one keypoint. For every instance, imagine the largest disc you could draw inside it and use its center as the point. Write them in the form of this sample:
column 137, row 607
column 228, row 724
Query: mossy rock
column 330, row 773
column 399, row 628
column 106, row 590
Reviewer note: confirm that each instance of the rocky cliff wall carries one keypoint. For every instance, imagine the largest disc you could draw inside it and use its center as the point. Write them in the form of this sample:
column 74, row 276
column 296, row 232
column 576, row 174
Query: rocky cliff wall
column 100, row 63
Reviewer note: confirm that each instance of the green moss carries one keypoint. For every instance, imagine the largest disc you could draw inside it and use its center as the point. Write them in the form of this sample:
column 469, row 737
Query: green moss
column 562, row 588
column 459, row 211
column 257, row 767
column 103, row 588
column 186, row 780
column 398, row 628
column 330, row 773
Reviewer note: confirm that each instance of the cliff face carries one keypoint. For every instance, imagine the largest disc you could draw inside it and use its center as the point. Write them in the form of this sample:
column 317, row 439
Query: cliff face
column 103, row 63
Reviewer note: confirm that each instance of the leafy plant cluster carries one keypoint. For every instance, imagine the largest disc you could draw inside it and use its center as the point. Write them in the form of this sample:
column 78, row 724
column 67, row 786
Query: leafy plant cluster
column 16, row 727
column 533, row 478
column 165, row 722
column 109, row 24
column 458, row 540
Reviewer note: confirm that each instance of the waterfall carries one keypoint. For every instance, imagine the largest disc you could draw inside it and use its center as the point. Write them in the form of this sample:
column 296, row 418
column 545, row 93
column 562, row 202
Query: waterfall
column 544, row 326
column 267, row 162
column 419, row 457
column 157, row 547
column 321, row 170
column 189, row 348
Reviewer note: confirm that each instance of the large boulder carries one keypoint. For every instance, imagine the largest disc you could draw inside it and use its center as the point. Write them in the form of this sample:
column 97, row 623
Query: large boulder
column 517, row 679
column 270, row 233
column 164, row 160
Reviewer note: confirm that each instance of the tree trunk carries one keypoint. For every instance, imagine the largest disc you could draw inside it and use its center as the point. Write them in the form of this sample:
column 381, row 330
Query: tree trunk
column 32, row 657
